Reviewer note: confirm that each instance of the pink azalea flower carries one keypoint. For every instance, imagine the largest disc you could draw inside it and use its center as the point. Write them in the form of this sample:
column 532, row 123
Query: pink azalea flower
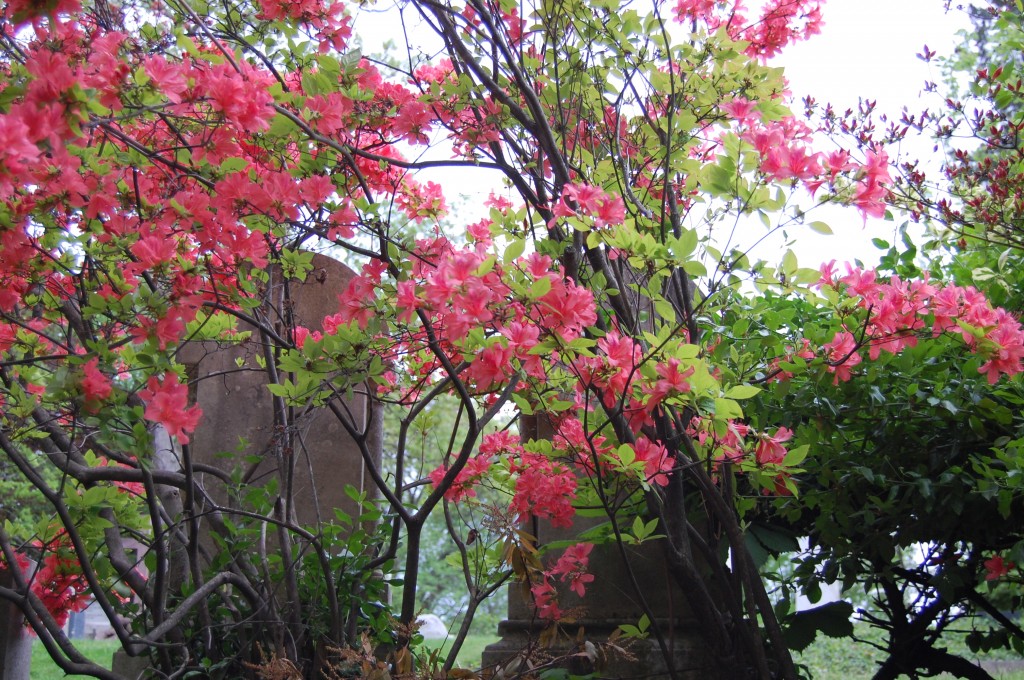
column 96, row 387
column 572, row 567
column 770, row 449
column 167, row 403
column 741, row 109
column 842, row 356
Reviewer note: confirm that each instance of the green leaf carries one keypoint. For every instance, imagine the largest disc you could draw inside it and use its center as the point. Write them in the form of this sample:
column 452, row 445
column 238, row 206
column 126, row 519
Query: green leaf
column 638, row 528
column 695, row 268
column 315, row 82
column 540, row 287
column 522, row 404
column 643, row 531
column 820, row 228
column 279, row 390
column 514, row 249
column 774, row 539
column 296, row 263
column 666, row 311
column 832, row 619
column 805, row 276
column 281, row 126
column 796, row 456
column 789, row 264
column 742, row 392
column 686, row 351
column 682, row 247
column 726, row 409
column 186, row 43
column 233, row 164
column 721, row 181
column 486, row 267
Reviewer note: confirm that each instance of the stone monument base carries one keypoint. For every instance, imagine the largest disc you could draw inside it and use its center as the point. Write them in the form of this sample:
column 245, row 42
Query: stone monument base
column 638, row 658
column 133, row 667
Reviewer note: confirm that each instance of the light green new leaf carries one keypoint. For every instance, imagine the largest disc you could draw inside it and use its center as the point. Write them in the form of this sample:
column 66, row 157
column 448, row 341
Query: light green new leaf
column 742, row 392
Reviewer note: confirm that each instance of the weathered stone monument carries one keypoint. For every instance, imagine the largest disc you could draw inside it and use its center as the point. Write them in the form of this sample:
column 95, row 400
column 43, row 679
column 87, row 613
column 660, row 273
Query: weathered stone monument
column 314, row 461
column 610, row 602
column 310, row 459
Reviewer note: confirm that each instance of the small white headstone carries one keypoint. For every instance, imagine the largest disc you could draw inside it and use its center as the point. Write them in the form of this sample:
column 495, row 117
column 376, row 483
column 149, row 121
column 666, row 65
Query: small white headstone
column 431, row 627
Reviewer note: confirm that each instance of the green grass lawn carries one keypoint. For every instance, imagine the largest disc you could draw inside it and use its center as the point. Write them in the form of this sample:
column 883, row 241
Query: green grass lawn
column 843, row 659
column 472, row 648
column 831, row 658
column 100, row 651
column 826, row 659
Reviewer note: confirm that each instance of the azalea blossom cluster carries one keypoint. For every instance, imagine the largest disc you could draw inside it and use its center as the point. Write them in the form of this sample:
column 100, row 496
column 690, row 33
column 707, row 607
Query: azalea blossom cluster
column 457, row 290
column 592, row 202
column 330, row 25
column 784, row 148
column 462, row 289
column 732, row 445
column 469, row 128
column 544, row 484
column 167, row 403
column 149, row 184
column 780, row 23
column 543, row 487
column 649, row 462
column 740, row 446
column 897, row 311
column 57, row 580
column 571, row 569
column 194, row 232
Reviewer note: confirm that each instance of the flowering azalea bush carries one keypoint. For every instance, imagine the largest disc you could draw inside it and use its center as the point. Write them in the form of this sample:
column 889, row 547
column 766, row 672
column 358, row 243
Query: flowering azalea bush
column 906, row 489
column 169, row 172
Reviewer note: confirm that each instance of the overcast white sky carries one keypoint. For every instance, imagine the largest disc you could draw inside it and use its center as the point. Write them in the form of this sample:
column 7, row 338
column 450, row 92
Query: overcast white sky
column 869, row 47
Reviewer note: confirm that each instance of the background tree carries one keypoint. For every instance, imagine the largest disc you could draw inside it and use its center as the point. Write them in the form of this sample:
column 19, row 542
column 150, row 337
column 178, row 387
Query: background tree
column 979, row 127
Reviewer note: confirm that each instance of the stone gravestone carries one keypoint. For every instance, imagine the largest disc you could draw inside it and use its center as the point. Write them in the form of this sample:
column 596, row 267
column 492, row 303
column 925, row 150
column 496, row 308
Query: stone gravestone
column 15, row 639
column 609, row 602
column 238, row 419
column 231, row 388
